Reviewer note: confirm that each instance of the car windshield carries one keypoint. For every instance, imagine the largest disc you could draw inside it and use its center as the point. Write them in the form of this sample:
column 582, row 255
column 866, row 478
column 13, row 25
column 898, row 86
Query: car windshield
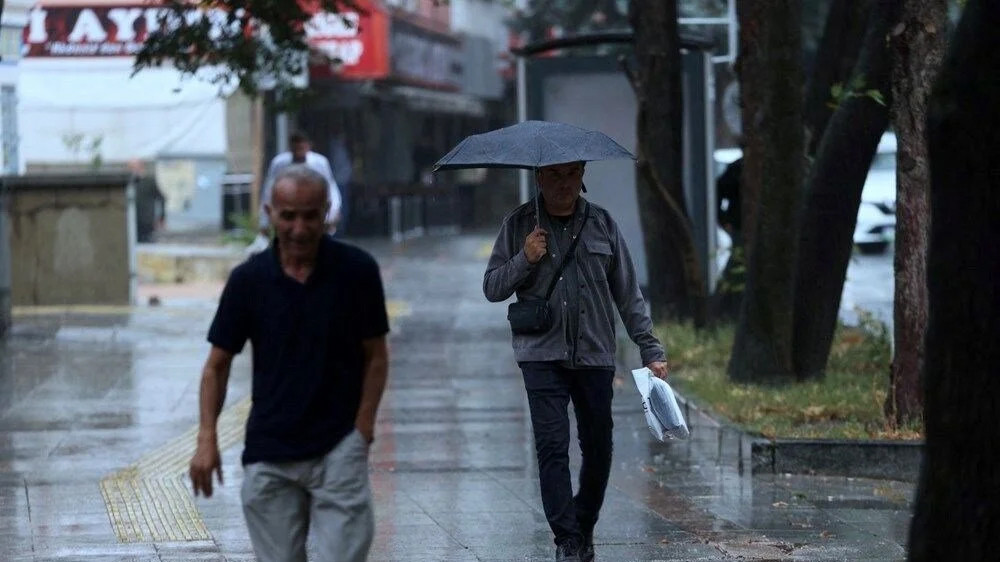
column 884, row 161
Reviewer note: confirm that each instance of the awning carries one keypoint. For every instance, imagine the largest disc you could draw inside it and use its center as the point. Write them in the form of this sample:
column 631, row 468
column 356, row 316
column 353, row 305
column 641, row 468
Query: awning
column 434, row 101
column 72, row 110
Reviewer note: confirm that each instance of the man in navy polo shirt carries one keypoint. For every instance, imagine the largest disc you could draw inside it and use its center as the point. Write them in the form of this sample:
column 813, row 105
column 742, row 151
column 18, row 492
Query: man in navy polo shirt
column 314, row 310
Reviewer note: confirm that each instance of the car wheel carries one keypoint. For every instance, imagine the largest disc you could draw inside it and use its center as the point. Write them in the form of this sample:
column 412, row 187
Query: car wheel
column 872, row 248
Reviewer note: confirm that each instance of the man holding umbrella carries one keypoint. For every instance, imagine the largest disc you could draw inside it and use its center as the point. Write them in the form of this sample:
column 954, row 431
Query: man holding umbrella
column 568, row 254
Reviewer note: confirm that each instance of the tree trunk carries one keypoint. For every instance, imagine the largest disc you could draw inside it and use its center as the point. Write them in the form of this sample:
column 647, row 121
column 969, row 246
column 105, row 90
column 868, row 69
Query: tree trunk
column 750, row 65
column 918, row 47
column 838, row 52
column 833, row 195
column 675, row 287
column 762, row 349
column 957, row 510
column 843, row 32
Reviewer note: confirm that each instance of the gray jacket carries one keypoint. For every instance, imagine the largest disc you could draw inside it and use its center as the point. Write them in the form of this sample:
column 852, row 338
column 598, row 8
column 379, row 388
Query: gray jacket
column 605, row 279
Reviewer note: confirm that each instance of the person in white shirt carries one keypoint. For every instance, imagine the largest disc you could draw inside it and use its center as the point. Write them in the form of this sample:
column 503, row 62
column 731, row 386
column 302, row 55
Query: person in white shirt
column 300, row 153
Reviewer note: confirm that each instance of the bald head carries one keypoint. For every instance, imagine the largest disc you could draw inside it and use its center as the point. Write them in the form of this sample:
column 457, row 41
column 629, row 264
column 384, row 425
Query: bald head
column 302, row 176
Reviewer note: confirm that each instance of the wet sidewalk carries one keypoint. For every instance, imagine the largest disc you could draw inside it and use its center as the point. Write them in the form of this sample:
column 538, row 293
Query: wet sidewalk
column 98, row 408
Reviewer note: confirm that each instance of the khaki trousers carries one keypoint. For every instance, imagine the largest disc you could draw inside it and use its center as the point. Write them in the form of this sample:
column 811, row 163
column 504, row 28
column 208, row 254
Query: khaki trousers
column 330, row 495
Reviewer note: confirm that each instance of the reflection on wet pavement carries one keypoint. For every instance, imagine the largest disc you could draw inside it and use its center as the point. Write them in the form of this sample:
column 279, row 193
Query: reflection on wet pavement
column 97, row 410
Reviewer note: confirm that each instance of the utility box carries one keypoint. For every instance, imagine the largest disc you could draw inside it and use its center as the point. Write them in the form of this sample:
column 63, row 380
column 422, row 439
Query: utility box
column 72, row 239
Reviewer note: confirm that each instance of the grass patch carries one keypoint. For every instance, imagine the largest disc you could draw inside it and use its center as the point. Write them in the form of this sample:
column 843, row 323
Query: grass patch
column 846, row 404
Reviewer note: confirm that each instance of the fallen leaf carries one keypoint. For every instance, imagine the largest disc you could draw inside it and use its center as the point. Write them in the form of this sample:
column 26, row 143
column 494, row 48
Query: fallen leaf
column 814, row 411
column 890, row 494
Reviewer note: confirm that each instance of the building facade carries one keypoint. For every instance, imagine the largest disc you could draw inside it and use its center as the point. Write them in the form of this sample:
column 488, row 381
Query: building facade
column 399, row 83
column 433, row 78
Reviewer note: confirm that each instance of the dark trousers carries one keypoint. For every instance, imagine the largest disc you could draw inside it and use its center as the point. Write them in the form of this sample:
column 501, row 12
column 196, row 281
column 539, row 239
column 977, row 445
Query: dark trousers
column 550, row 388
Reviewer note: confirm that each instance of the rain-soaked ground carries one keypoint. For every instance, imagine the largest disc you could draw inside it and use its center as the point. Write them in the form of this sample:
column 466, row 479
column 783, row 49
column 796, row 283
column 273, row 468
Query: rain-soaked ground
column 98, row 408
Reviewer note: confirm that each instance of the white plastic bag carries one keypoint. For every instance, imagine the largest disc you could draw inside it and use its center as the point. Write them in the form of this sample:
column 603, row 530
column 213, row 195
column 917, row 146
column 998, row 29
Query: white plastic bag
column 663, row 416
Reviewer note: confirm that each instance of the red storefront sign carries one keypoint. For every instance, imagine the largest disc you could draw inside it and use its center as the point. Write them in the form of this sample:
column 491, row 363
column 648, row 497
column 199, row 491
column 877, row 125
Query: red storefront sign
column 358, row 39
column 98, row 31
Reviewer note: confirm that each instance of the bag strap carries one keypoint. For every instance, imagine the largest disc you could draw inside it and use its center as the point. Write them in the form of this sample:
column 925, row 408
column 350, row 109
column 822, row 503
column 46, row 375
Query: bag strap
column 569, row 253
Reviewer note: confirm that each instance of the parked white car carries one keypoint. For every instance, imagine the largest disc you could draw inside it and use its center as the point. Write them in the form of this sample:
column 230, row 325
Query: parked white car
column 876, row 226
column 876, row 223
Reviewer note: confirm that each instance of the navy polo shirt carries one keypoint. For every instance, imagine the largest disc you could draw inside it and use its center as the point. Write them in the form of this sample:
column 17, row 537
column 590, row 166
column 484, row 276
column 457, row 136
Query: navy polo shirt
column 308, row 361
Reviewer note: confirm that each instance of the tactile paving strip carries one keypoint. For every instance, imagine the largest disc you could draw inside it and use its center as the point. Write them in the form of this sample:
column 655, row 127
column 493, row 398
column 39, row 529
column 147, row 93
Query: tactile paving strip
column 150, row 501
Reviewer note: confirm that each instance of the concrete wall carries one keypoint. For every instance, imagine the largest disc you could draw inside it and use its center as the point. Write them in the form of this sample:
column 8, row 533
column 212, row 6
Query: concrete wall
column 71, row 239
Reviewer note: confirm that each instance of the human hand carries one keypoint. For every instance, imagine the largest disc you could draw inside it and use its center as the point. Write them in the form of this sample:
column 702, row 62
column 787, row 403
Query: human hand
column 366, row 429
column 535, row 245
column 659, row 369
column 206, row 460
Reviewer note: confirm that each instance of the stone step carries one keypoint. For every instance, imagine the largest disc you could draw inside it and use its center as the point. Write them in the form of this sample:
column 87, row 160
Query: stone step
column 183, row 263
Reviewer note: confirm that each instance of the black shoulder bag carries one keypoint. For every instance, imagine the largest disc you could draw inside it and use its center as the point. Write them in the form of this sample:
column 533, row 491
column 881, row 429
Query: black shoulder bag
column 533, row 316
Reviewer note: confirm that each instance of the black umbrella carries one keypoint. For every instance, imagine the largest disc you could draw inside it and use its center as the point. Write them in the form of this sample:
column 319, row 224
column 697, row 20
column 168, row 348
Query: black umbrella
column 532, row 145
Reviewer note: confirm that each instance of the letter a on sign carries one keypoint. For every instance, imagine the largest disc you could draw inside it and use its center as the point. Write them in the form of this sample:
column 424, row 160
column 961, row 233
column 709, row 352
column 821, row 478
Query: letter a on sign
column 88, row 28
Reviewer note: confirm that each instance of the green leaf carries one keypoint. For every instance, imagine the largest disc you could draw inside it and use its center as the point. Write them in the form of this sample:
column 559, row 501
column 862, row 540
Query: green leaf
column 877, row 96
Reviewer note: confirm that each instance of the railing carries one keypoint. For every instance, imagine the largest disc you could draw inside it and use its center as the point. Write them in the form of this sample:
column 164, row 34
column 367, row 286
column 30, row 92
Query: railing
column 403, row 214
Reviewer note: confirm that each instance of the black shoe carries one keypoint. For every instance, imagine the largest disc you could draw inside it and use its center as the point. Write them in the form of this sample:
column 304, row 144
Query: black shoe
column 568, row 551
column 587, row 550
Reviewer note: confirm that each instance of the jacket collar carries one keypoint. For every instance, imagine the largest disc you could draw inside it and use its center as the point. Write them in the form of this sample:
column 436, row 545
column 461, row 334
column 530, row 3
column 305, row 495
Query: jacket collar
column 546, row 220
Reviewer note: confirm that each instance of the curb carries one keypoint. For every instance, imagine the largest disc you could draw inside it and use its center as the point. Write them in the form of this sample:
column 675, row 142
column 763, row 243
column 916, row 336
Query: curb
column 727, row 443
column 752, row 452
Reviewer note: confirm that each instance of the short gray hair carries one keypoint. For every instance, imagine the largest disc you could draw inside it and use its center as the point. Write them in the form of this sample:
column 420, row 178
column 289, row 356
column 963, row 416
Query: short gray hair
column 302, row 174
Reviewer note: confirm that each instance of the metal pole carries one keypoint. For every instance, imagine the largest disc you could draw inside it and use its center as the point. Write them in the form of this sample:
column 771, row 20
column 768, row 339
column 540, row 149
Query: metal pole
column 522, row 115
column 281, row 132
column 257, row 152
column 733, row 28
column 5, row 276
column 538, row 198
column 132, row 237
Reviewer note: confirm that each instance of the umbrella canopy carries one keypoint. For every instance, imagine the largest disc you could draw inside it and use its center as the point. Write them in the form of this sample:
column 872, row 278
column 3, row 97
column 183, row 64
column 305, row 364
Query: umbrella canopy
column 531, row 144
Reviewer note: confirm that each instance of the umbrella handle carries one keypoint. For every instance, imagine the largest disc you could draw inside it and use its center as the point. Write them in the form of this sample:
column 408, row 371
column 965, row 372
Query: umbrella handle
column 538, row 196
